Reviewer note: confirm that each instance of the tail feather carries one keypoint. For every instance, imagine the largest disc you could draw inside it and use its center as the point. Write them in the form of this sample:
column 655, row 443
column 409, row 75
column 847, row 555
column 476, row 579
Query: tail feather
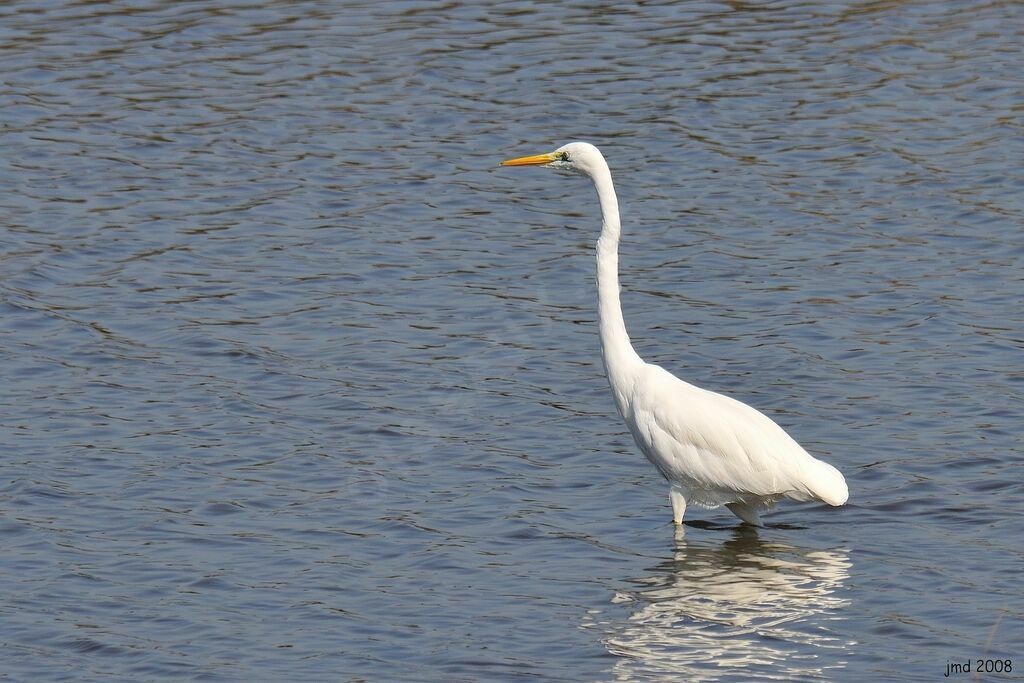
column 827, row 484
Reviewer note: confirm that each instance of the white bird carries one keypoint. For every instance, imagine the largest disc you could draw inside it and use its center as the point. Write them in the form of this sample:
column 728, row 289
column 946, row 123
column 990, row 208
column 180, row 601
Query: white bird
column 712, row 449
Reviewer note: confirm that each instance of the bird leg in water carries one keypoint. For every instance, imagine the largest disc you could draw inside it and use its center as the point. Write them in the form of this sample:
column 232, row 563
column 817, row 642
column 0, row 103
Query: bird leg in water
column 748, row 513
column 675, row 494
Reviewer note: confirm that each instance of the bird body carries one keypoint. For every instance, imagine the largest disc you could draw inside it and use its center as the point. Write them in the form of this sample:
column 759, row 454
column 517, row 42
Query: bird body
column 713, row 449
column 718, row 450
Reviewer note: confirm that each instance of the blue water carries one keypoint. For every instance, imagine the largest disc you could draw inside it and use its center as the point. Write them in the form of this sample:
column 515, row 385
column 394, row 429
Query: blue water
column 298, row 384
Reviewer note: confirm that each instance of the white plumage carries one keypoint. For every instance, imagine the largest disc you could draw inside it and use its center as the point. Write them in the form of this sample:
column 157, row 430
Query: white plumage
column 714, row 450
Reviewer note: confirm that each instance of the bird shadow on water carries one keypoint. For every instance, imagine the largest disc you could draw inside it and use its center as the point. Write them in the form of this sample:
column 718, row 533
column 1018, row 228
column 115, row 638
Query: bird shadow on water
column 742, row 527
column 746, row 606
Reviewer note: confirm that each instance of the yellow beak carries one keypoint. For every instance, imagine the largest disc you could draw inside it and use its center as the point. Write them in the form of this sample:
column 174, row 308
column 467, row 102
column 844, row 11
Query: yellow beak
column 535, row 160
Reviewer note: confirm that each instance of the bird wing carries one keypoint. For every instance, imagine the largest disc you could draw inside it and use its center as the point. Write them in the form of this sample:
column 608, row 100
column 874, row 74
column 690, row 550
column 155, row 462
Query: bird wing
column 715, row 443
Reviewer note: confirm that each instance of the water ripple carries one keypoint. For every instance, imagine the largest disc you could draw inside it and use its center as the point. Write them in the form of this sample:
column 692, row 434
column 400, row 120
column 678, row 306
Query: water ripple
column 299, row 384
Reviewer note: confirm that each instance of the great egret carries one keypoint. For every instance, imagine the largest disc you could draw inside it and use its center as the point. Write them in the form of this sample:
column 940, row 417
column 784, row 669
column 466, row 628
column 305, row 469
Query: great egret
column 712, row 449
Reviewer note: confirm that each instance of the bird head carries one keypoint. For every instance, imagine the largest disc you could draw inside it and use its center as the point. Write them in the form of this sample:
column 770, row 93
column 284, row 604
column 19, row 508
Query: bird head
column 578, row 157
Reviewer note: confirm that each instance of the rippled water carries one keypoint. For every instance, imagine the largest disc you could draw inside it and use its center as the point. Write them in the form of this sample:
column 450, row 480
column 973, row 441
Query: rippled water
column 299, row 384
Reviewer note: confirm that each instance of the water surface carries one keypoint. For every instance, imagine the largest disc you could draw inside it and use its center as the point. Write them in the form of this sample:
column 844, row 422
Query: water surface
column 299, row 384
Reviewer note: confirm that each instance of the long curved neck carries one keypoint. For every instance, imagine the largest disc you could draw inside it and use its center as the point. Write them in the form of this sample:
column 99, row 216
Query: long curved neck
column 619, row 356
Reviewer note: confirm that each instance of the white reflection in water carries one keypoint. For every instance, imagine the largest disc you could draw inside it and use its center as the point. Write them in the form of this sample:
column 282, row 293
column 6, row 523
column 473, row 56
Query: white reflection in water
column 745, row 607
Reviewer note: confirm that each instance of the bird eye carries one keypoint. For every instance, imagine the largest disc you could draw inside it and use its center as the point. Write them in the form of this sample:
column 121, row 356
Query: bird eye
column 564, row 156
